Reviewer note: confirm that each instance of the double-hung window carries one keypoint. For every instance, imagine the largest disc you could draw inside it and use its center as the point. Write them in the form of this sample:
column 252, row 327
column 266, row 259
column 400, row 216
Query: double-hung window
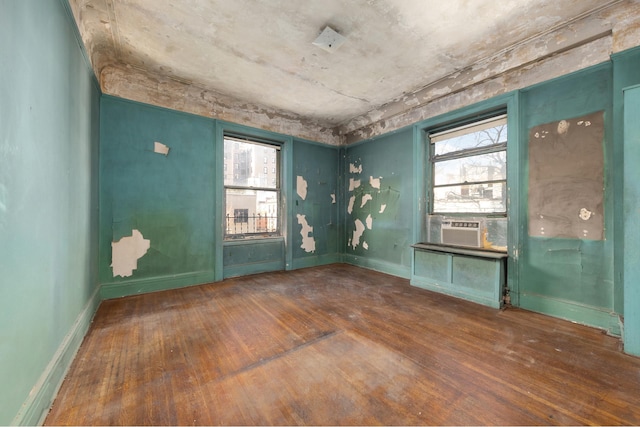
column 252, row 196
column 469, row 168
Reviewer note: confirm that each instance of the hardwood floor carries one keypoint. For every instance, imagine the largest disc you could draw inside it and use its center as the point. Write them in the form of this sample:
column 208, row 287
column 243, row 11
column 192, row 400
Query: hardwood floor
column 339, row 345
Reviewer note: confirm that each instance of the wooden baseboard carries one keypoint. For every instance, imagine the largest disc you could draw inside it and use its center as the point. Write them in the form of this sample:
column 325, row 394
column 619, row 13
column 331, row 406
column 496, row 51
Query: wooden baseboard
column 154, row 284
column 583, row 314
column 398, row 270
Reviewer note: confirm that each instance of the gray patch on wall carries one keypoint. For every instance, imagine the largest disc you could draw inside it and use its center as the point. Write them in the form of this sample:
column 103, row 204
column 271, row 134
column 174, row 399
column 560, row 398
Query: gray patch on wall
column 566, row 178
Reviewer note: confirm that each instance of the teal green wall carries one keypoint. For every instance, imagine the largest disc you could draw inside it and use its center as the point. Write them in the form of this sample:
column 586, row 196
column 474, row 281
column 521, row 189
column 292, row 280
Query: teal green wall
column 627, row 295
column 318, row 166
column 570, row 278
column 49, row 120
column 169, row 199
column 632, row 221
column 389, row 158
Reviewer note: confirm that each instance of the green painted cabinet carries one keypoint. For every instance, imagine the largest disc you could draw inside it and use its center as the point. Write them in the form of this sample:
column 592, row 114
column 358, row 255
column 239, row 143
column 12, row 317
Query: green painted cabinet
column 473, row 275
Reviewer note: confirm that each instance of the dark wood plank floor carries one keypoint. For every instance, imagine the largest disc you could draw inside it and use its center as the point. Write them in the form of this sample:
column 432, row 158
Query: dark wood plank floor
column 339, row 345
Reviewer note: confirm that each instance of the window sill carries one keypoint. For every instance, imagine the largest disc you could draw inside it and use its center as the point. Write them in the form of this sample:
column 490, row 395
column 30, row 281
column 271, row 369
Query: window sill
column 251, row 239
column 482, row 253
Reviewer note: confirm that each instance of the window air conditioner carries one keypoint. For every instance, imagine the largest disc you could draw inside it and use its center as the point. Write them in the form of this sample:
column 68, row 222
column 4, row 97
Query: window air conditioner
column 461, row 233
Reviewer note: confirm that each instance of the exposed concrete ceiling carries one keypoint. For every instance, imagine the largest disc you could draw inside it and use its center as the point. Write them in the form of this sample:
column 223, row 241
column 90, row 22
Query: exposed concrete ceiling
column 260, row 52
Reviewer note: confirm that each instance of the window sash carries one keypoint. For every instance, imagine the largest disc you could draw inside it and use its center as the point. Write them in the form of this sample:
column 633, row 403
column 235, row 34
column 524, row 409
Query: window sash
column 479, row 191
column 468, row 128
column 257, row 222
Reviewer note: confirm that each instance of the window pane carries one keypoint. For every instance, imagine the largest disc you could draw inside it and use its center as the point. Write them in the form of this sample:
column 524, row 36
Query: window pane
column 484, row 167
column 251, row 211
column 478, row 198
column 483, row 138
column 247, row 162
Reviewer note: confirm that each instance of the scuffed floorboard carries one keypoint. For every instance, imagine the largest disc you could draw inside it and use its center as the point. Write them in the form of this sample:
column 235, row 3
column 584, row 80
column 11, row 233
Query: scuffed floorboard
column 339, row 345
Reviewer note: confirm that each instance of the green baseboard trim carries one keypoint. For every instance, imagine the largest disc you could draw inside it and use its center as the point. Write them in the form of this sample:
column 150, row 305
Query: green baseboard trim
column 253, row 268
column 314, row 261
column 572, row 311
column 456, row 291
column 35, row 409
column 398, row 270
column 154, row 284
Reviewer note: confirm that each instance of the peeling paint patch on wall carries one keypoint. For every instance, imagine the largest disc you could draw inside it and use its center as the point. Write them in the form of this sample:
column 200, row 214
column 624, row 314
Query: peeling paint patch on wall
column 375, row 182
column 160, row 148
column 352, row 200
column 365, row 199
column 369, row 222
column 355, row 169
column 333, row 198
column 382, row 208
column 365, row 245
column 301, row 187
column 353, row 184
column 126, row 252
column 308, row 242
column 357, row 233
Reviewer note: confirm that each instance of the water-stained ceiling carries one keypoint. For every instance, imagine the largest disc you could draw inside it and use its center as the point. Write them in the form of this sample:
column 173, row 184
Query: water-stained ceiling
column 261, row 52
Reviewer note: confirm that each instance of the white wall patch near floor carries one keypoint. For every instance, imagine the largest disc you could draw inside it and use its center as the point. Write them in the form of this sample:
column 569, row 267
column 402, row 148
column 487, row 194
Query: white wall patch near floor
column 308, row 242
column 357, row 233
column 126, row 252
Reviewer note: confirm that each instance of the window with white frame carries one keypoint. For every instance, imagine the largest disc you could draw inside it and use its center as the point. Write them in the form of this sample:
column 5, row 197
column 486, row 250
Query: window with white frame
column 469, row 168
column 252, row 196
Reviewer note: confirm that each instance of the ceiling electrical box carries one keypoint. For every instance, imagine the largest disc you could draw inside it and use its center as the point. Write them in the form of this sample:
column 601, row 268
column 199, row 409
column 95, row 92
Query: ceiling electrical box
column 329, row 40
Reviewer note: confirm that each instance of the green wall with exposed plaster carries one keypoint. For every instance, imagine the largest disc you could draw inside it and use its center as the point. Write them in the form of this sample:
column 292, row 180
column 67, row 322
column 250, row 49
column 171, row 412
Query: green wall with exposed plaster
column 575, row 279
column 378, row 182
column 175, row 200
column 169, row 198
column 570, row 278
column 317, row 166
column 49, row 138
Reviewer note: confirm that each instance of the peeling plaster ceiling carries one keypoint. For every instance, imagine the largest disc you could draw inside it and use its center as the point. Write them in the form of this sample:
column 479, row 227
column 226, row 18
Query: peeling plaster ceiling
column 261, row 52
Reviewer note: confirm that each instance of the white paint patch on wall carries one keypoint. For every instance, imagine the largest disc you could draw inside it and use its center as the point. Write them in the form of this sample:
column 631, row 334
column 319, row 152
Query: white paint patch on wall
column 301, row 187
column 365, row 245
column 369, row 222
column 352, row 200
column 126, row 252
column 375, row 182
column 354, row 169
column 308, row 242
column 160, row 148
column 357, row 233
column 382, row 208
column 333, row 199
column 365, row 199
column 585, row 214
column 353, row 184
